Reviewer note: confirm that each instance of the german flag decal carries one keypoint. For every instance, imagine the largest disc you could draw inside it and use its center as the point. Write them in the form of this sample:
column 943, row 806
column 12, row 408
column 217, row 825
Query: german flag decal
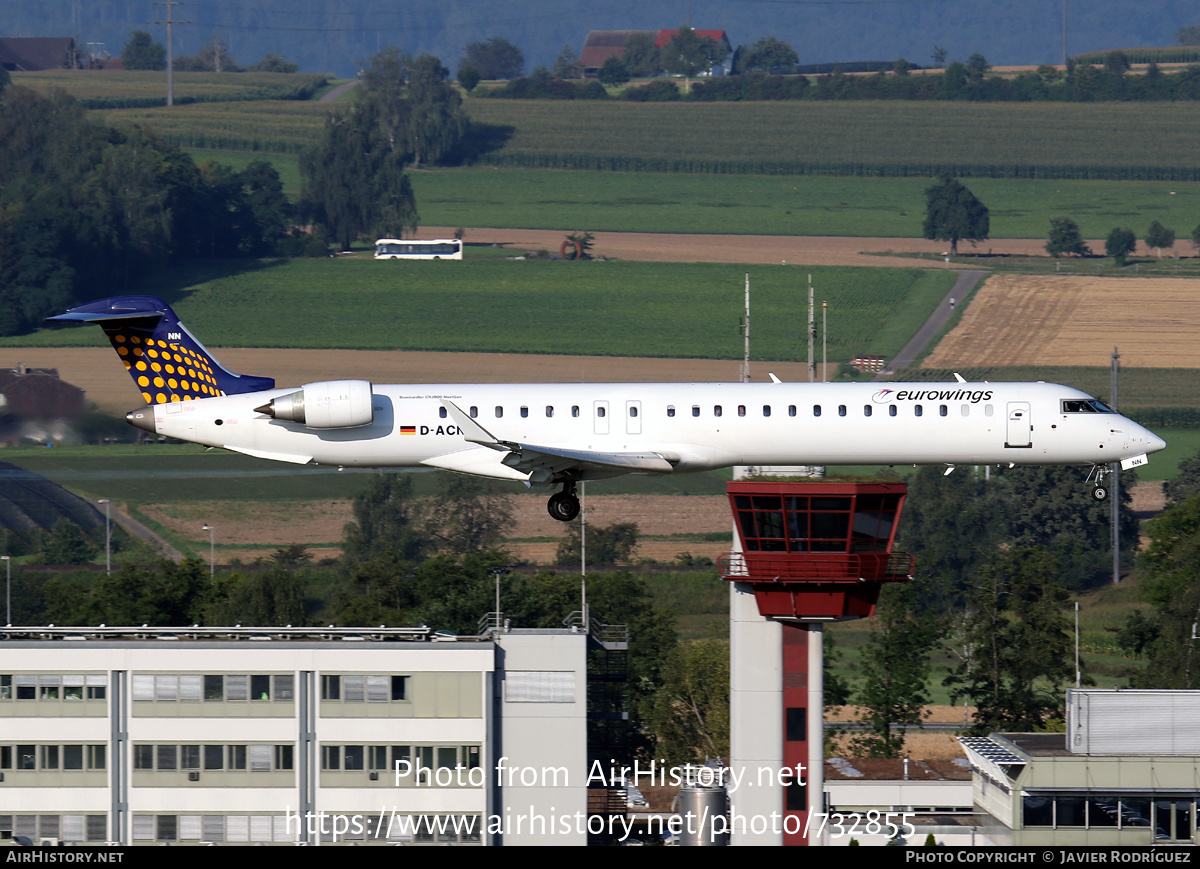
column 408, row 429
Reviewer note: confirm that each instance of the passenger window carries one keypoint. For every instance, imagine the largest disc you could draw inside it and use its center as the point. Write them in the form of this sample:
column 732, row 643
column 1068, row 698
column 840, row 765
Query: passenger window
column 599, row 411
column 442, row 412
column 474, row 412
column 524, row 412
column 987, row 410
column 766, row 410
column 841, row 410
column 816, row 410
column 716, row 410
column 499, row 411
column 574, row 410
column 670, row 410
column 918, row 410
column 791, row 410
column 891, row 410
column 866, row 410
column 966, row 410
column 695, row 410
column 741, row 410
column 549, row 411
column 632, row 410
column 943, row 410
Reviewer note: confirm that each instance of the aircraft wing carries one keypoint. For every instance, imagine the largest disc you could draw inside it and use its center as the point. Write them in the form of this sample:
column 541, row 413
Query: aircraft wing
column 545, row 464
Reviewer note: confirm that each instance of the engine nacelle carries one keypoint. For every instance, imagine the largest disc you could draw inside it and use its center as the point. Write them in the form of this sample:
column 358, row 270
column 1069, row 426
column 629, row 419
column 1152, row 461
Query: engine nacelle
column 328, row 404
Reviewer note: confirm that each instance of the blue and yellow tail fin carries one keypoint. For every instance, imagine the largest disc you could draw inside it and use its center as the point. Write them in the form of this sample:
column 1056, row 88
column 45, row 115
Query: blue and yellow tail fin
column 165, row 360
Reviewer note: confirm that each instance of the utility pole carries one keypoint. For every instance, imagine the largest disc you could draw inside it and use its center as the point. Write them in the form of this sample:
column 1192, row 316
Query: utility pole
column 746, row 336
column 1115, row 489
column 170, row 22
column 812, row 334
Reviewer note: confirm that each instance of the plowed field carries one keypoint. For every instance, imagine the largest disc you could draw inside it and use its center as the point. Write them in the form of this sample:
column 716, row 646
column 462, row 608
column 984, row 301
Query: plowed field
column 1028, row 320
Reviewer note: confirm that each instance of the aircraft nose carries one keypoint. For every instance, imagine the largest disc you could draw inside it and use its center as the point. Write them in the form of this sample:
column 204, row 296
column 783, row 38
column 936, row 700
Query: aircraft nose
column 1154, row 443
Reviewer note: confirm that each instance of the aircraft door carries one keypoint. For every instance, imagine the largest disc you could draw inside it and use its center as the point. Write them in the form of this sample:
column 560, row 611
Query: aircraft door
column 633, row 417
column 600, row 417
column 1019, row 434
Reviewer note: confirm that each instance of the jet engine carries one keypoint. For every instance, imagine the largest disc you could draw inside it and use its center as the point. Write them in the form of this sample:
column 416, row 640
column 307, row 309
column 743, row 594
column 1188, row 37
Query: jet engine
column 328, row 404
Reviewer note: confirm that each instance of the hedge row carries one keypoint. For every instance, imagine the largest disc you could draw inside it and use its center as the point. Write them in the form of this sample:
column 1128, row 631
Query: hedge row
column 865, row 170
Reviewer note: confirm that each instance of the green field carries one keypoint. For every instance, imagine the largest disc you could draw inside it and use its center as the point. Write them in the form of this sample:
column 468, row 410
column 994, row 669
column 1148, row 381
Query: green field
column 496, row 305
column 506, row 197
column 139, row 87
column 871, row 137
column 790, row 205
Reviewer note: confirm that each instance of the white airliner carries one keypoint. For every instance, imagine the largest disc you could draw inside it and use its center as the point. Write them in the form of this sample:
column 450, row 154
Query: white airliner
column 561, row 434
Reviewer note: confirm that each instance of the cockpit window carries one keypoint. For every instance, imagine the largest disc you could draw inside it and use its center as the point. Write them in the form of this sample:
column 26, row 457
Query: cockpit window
column 1085, row 405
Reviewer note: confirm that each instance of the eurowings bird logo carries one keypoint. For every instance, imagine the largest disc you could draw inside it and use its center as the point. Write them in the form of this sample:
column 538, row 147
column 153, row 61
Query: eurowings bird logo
column 883, row 396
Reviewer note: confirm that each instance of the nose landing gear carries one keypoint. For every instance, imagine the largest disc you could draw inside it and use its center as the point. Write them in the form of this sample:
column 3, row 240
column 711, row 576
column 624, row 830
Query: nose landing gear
column 1100, row 491
column 563, row 506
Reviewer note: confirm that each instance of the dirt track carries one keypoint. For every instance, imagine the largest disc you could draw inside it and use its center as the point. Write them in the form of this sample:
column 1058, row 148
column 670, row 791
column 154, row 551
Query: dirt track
column 763, row 249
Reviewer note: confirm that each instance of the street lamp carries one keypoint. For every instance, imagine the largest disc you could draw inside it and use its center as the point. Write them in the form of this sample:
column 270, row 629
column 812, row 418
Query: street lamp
column 7, row 559
column 212, row 564
column 107, row 539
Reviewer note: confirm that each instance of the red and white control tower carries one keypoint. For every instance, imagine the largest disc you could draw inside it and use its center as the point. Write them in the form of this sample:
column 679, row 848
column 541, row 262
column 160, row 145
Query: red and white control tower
column 805, row 554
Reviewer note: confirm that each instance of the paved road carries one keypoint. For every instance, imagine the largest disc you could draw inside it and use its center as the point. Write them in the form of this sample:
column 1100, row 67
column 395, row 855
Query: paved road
column 137, row 529
column 965, row 283
column 337, row 92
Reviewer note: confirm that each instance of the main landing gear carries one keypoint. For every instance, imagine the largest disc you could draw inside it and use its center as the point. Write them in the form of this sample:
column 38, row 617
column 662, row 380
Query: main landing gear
column 564, row 506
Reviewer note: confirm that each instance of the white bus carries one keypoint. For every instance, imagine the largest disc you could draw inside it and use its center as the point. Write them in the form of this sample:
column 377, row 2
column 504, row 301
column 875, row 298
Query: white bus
column 411, row 248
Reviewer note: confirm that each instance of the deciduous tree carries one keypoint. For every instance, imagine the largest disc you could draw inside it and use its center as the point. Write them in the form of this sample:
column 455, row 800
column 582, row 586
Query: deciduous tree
column 1169, row 573
column 1019, row 647
column 769, row 55
column 1120, row 244
column 567, row 65
column 613, row 72
column 641, row 56
column 141, row 52
column 1065, row 238
column 495, row 58
column 1158, row 237
column 689, row 714
column 952, row 213
column 895, row 691
column 688, row 53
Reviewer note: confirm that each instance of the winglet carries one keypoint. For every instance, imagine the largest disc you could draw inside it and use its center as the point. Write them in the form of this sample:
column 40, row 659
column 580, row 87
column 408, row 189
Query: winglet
column 471, row 430
column 164, row 359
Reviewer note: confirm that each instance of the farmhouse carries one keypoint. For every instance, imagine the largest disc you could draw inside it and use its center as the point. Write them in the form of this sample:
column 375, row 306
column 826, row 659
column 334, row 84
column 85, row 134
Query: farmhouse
column 33, row 53
column 600, row 45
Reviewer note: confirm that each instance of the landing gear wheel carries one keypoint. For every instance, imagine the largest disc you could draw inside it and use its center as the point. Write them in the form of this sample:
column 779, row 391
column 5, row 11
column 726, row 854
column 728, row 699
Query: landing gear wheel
column 563, row 506
column 1100, row 493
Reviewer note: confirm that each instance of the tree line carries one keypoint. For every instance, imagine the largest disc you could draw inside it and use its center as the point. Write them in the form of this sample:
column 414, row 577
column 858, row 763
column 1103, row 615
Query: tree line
column 141, row 52
column 87, row 209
